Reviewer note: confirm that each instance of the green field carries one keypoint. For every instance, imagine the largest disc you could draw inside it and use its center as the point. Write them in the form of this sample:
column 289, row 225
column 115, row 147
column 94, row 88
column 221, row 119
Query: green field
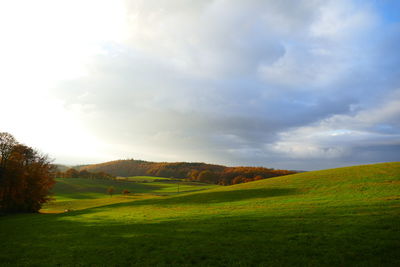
column 338, row 217
column 79, row 193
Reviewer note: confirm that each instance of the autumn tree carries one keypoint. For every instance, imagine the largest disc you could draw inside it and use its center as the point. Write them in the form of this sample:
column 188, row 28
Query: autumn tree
column 26, row 176
column 258, row 177
column 7, row 143
column 193, row 174
column 71, row 173
column 239, row 179
column 206, row 176
column 110, row 190
column 125, row 192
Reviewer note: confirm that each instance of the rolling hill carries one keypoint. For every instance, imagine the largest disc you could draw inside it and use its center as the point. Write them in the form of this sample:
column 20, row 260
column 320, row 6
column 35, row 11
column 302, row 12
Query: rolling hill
column 81, row 193
column 338, row 217
column 197, row 171
column 131, row 167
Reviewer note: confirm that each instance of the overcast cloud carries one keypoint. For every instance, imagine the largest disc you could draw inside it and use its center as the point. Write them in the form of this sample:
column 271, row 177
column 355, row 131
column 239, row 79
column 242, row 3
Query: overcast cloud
column 287, row 84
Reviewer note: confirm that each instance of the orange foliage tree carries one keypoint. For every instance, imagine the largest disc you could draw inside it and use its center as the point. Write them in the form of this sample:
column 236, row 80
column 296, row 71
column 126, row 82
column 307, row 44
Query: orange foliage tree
column 26, row 176
column 110, row 190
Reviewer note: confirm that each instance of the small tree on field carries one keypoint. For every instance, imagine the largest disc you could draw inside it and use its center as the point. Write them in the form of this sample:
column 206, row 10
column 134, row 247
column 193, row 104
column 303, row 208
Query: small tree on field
column 125, row 192
column 110, row 190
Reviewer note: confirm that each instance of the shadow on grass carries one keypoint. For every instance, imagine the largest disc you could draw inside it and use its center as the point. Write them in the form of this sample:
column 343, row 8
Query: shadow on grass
column 229, row 196
column 293, row 239
column 78, row 196
column 80, row 186
column 203, row 198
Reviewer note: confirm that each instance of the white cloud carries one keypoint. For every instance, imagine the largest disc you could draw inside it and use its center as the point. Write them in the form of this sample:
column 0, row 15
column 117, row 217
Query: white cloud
column 336, row 136
column 221, row 81
column 338, row 20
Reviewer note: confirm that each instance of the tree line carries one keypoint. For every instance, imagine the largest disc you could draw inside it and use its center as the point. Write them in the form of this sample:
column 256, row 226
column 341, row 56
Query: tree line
column 26, row 176
column 237, row 175
column 196, row 171
column 73, row 173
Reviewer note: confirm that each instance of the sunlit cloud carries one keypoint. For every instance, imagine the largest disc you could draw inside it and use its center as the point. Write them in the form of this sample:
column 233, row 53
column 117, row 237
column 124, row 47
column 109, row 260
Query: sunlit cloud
column 304, row 84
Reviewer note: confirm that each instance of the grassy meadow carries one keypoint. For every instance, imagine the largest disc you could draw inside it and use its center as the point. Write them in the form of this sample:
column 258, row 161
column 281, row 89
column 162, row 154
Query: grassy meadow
column 339, row 217
column 80, row 193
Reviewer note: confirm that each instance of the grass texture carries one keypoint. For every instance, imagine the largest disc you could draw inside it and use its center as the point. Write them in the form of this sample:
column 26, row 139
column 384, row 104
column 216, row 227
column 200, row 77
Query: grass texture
column 338, row 217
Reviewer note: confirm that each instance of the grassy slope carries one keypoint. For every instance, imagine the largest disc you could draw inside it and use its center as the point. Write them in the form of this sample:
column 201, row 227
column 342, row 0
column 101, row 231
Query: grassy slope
column 78, row 193
column 341, row 217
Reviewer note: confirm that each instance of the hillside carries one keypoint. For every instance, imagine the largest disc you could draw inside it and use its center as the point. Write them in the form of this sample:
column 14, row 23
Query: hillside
column 61, row 167
column 338, row 217
column 132, row 167
column 197, row 171
column 81, row 193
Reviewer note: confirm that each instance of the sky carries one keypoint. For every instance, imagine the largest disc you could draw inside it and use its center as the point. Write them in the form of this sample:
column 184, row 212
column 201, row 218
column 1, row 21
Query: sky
column 291, row 84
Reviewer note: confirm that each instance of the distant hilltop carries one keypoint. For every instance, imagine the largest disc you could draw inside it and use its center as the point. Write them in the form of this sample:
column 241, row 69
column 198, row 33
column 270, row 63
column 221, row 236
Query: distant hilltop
column 204, row 172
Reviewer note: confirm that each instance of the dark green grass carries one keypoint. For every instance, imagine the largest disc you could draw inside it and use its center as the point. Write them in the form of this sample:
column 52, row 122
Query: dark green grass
column 340, row 217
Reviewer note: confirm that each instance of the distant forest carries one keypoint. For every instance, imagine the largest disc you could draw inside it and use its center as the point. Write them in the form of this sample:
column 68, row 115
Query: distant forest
column 73, row 173
column 203, row 172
